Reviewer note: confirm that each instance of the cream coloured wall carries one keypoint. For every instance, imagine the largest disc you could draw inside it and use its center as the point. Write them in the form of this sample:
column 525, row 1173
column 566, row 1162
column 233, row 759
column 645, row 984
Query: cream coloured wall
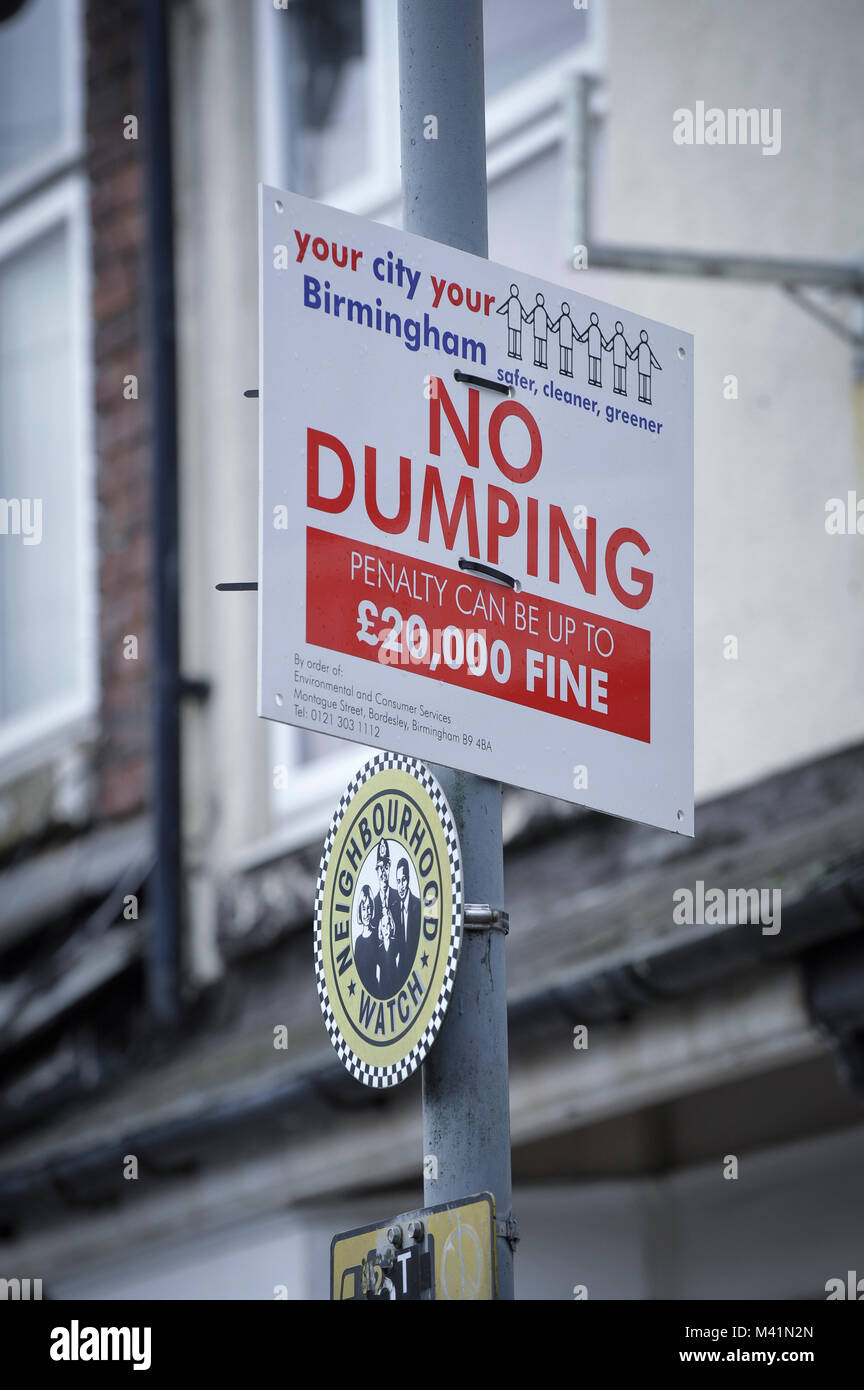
column 766, row 463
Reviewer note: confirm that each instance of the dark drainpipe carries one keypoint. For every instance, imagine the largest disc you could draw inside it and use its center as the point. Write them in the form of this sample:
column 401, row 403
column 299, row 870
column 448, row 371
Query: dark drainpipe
column 164, row 912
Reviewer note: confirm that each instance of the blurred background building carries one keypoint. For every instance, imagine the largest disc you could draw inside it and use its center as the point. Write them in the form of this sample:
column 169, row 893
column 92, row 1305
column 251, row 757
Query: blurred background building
column 153, row 1140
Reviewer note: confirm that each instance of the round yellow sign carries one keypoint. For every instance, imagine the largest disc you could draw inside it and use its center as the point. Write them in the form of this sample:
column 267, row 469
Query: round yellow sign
column 388, row 919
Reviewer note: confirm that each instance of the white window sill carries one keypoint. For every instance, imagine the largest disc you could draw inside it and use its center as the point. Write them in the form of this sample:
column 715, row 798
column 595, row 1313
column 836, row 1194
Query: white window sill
column 312, row 794
column 35, row 741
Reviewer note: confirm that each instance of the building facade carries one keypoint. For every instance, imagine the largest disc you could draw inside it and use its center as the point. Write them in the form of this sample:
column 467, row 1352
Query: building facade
column 685, row 1095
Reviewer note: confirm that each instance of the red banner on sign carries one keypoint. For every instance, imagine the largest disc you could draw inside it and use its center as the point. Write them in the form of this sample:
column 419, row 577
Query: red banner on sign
column 460, row 629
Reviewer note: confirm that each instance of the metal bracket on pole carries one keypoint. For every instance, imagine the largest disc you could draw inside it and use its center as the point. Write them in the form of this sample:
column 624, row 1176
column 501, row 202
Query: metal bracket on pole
column 508, row 1230
column 482, row 917
column 824, row 316
column 790, row 276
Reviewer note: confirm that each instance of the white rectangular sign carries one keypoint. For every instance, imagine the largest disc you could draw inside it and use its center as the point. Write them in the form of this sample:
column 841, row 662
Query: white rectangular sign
column 428, row 417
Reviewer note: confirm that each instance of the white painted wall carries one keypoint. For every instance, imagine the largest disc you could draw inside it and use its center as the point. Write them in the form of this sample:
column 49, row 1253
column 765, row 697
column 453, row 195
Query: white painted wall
column 766, row 570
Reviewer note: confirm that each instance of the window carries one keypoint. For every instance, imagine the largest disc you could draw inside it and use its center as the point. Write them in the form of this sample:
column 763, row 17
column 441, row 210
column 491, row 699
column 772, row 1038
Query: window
column 329, row 74
column 328, row 70
column 531, row 56
column 520, row 39
column 46, row 655
column 327, row 43
column 40, row 90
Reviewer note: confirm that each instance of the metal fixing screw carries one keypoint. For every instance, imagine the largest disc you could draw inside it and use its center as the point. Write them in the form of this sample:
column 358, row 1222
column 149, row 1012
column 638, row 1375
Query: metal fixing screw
column 394, row 1235
column 415, row 1230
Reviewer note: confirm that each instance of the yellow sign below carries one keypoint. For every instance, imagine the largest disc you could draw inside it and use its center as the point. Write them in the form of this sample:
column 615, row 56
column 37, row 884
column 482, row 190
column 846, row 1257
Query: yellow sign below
column 444, row 1252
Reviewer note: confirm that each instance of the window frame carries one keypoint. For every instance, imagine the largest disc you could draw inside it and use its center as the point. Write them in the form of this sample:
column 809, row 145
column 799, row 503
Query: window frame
column 381, row 80
column 313, row 791
column 51, row 191
column 68, row 149
column 23, row 737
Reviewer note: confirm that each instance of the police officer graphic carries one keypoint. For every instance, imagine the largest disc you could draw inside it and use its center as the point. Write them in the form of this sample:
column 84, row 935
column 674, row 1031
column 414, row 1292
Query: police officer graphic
column 385, row 912
column 407, row 920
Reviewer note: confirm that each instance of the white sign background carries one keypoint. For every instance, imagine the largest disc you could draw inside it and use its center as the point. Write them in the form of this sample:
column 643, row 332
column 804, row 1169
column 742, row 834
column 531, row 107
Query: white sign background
column 325, row 366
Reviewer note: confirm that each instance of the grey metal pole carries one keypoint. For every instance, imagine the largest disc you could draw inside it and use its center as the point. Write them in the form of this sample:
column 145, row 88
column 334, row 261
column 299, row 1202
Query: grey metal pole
column 466, row 1101
column 441, row 75
column 466, row 1085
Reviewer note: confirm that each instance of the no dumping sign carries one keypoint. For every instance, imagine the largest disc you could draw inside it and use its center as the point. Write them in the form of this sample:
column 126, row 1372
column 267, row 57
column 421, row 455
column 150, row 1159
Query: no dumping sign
column 476, row 515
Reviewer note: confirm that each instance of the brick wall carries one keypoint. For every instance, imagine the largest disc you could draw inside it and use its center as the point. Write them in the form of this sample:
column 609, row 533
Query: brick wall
column 118, row 240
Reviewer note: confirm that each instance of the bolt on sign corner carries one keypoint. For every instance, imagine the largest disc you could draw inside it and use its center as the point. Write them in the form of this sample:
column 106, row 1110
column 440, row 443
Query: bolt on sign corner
column 476, row 515
column 388, row 919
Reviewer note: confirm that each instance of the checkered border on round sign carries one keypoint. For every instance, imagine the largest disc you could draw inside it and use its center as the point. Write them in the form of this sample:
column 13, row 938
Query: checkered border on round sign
column 394, row 1072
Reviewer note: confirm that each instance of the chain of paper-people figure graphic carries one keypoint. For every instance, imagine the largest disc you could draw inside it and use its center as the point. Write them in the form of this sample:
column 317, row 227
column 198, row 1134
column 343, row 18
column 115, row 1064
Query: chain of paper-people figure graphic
column 542, row 324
